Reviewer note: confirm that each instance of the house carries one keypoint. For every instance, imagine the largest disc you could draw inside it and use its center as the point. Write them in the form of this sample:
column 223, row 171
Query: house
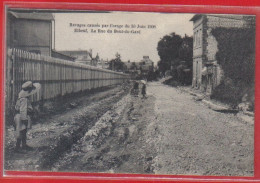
column 81, row 56
column 128, row 65
column 207, row 73
column 143, row 66
column 103, row 64
column 62, row 56
column 140, row 68
column 133, row 69
column 146, row 64
column 30, row 32
column 132, row 66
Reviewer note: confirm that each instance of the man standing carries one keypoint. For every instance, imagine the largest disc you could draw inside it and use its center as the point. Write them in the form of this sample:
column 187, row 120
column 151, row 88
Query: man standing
column 144, row 88
column 22, row 118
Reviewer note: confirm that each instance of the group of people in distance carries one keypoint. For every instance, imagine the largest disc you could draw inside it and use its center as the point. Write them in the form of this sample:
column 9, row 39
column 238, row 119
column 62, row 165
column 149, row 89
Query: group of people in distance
column 136, row 88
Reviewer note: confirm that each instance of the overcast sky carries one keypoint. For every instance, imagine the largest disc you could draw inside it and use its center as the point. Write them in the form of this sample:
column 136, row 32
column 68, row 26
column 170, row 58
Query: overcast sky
column 131, row 46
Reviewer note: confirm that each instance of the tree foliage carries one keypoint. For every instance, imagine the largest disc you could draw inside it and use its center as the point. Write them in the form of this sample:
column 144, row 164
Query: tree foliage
column 236, row 56
column 186, row 50
column 172, row 49
column 236, row 52
column 116, row 64
column 133, row 66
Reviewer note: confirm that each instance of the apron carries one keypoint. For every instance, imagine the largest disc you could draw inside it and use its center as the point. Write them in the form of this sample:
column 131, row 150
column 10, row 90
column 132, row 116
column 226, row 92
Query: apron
column 21, row 125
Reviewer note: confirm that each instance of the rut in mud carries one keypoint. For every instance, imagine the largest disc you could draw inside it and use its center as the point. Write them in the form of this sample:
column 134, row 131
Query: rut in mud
column 117, row 143
column 115, row 132
column 54, row 136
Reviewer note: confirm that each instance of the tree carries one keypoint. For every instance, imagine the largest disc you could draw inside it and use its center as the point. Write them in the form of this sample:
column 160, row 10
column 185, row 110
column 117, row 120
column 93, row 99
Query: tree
column 186, row 50
column 176, row 55
column 133, row 66
column 163, row 66
column 168, row 51
column 116, row 64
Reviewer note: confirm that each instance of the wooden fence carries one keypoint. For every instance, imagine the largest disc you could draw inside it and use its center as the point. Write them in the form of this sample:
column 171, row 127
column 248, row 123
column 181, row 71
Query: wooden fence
column 57, row 77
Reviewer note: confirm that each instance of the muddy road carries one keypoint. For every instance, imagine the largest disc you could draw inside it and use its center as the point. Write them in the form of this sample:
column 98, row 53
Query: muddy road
column 118, row 142
column 59, row 129
column 166, row 133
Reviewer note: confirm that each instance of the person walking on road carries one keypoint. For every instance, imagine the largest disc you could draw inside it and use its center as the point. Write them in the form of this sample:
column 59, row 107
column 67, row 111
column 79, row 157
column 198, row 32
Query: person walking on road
column 22, row 117
column 144, row 89
column 136, row 88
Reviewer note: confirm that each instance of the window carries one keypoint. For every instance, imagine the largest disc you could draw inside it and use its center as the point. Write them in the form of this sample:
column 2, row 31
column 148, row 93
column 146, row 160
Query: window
column 199, row 37
column 195, row 39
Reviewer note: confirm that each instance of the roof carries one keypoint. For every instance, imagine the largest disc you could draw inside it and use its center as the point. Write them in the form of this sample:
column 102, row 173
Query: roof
column 78, row 54
column 33, row 16
column 146, row 60
column 58, row 52
column 229, row 16
column 195, row 17
column 74, row 52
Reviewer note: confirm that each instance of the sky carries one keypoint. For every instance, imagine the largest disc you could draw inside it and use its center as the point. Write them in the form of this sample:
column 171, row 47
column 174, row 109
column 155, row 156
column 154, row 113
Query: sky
column 131, row 46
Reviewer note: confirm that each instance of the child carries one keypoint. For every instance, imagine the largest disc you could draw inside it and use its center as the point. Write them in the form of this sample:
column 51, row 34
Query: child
column 22, row 118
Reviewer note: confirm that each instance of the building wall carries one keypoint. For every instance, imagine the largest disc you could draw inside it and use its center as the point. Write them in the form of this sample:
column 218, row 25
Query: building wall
column 197, row 68
column 197, row 38
column 9, row 31
column 212, row 44
column 206, row 51
column 198, row 51
column 218, row 21
column 226, row 21
column 31, row 35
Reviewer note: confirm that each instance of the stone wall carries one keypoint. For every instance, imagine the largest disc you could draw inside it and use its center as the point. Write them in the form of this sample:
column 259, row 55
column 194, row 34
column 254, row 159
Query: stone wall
column 214, row 21
column 211, row 44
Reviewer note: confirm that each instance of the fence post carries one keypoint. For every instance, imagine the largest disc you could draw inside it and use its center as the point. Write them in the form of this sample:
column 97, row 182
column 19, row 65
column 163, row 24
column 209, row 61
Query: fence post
column 8, row 82
column 61, row 66
column 13, row 59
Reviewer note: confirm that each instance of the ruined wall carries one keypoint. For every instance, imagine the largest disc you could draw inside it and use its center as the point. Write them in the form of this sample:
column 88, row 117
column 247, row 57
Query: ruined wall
column 205, row 47
column 214, row 21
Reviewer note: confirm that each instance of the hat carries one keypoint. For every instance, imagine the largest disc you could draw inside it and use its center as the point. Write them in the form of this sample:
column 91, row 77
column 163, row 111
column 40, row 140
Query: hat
column 143, row 81
column 27, row 84
column 25, row 93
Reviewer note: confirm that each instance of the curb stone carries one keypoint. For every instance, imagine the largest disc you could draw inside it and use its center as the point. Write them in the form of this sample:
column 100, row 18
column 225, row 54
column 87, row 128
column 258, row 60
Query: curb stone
column 244, row 115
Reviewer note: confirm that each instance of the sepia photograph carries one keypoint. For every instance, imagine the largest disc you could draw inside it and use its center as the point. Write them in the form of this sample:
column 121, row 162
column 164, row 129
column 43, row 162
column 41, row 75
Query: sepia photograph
column 129, row 92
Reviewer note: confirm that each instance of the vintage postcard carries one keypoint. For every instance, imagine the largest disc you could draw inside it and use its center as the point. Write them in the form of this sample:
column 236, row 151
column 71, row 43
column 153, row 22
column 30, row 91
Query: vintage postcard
column 129, row 92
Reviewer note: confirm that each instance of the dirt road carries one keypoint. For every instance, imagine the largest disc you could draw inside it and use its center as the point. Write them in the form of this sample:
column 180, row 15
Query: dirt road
column 193, row 139
column 166, row 133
